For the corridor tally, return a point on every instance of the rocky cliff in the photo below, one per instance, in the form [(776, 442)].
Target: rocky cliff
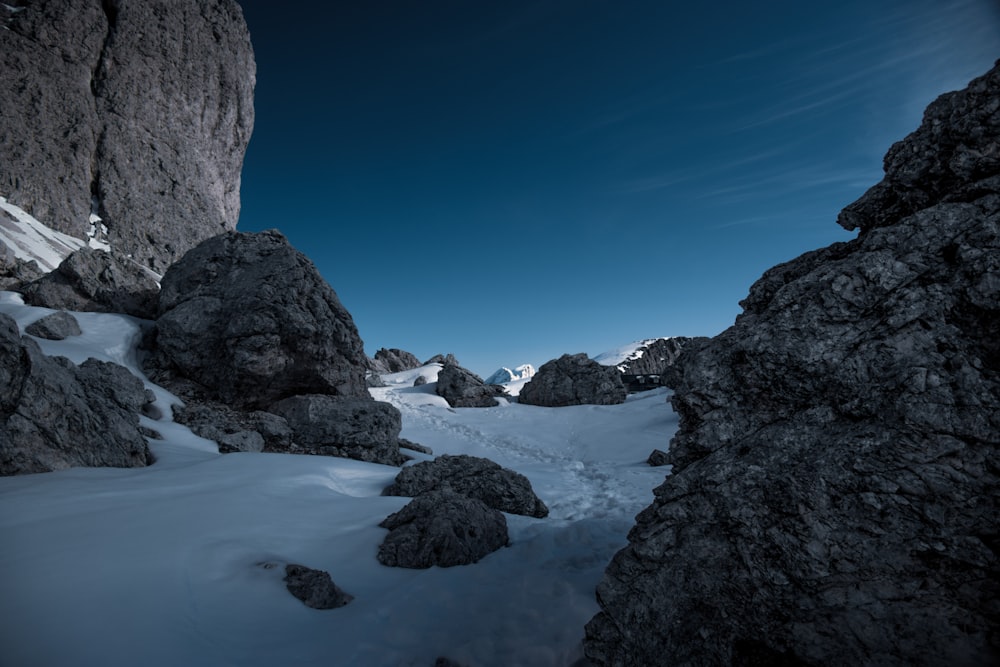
[(136, 112), (835, 496)]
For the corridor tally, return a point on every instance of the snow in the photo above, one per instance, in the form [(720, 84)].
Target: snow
[(629, 352), (29, 239), (505, 375), (180, 563)]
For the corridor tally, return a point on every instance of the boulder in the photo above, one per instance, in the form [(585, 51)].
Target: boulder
[(235, 430), (314, 587), (443, 359), (356, 428), (574, 379), (474, 477), (247, 320), (394, 361), (442, 528), (55, 414), (96, 281), (464, 389), (106, 112), (14, 271), (834, 495), (658, 458), (57, 326)]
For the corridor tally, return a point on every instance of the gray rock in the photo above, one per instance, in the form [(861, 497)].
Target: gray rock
[(464, 389), (574, 379), (249, 320), (443, 359), (423, 449), (106, 111), (235, 430), (57, 326), (658, 458), (442, 528), (356, 428), (15, 272), (474, 477), (314, 587), (394, 361), (419, 381), (96, 281), (55, 415), (834, 497)]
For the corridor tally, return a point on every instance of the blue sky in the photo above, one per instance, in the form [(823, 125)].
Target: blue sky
[(510, 181)]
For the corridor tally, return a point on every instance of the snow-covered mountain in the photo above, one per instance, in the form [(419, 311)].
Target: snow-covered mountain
[(619, 356), (30, 239), (505, 375)]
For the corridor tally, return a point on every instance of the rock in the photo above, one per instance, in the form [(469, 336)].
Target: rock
[(57, 326), (423, 449), (249, 320), (441, 528), (56, 415), (419, 381), (474, 477), (314, 587), (657, 458), (445, 360), (95, 281), (394, 361), (106, 112), (673, 373), (356, 428), (234, 430), (833, 499), (573, 379), (464, 389), (657, 362), (15, 272)]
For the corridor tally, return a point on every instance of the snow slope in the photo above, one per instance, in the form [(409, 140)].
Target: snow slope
[(29, 239), (180, 563), (505, 375)]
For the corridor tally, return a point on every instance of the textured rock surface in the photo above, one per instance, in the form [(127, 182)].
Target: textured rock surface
[(441, 528), (393, 360), (235, 430), (96, 281), (573, 379), (835, 497), (474, 477), (57, 326), (15, 272), (314, 587), (55, 415), (137, 111), (250, 321), (356, 428), (464, 389), (657, 458)]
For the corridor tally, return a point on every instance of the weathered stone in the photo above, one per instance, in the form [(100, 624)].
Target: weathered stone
[(57, 326), (96, 281), (834, 497), (443, 359), (106, 110), (235, 430), (423, 449), (442, 528), (394, 361), (500, 488), (657, 458), (356, 428), (15, 272), (419, 381), (250, 321), (314, 587), (573, 379), (55, 415), (464, 389)]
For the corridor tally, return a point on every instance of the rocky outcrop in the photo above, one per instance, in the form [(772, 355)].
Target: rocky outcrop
[(55, 414), (96, 281), (137, 112), (443, 359), (235, 430), (57, 326), (464, 389), (247, 320), (15, 272), (314, 587), (442, 528), (474, 477), (393, 361), (834, 497), (573, 379)]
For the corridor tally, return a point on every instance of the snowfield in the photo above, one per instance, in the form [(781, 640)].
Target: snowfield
[(181, 563)]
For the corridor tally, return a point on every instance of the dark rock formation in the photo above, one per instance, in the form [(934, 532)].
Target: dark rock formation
[(419, 381), (139, 112), (314, 587), (672, 375), (57, 326), (464, 389), (235, 430), (658, 362), (443, 359), (394, 361), (55, 415), (15, 272), (356, 428), (415, 447), (96, 281), (474, 477), (573, 379), (441, 528), (249, 320), (834, 498), (657, 458)]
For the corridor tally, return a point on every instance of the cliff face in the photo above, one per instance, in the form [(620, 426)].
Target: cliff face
[(835, 496), (138, 112)]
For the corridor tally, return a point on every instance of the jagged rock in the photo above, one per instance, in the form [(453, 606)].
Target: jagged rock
[(394, 361), (55, 415), (249, 320), (464, 389), (442, 528), (443, 359), (573, 379), (673, 373), (314, 587), (419, 381), (106, 112), (657, 458), (234, 430), (834, 497), (96, 281), (57, 326), (472, 476), (423, 449), (357, 428), (15, 272)]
